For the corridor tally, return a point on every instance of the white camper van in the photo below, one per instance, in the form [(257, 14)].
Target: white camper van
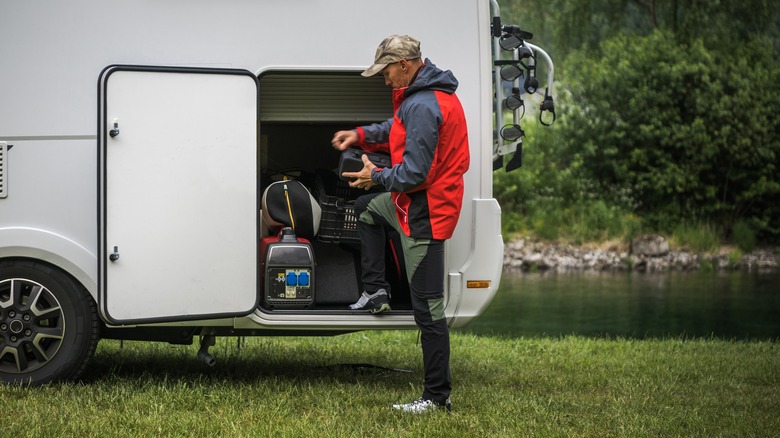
[(137, 140)]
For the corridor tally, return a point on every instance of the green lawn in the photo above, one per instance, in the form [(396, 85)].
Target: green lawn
[(571, 386)]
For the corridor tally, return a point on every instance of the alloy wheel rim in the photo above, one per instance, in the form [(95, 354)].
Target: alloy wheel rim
[(32, 325)]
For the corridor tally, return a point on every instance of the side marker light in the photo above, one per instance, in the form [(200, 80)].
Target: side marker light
[(478, 284)]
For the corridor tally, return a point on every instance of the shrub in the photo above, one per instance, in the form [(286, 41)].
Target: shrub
[(743, 236), (690, 136)]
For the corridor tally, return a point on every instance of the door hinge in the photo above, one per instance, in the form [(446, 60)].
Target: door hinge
[(4, 147)]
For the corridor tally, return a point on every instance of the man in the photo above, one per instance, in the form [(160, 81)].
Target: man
[(428, 145)]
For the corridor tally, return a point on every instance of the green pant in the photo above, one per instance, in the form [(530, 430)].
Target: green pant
[(424, 262)]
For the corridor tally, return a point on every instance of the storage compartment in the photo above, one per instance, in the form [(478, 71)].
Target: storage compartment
[(299, 113)]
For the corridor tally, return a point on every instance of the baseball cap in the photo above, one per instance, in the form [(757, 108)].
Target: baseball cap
[(393, 49)]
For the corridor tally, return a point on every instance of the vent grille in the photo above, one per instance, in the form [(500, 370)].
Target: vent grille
[(298, 97), (3, 169)]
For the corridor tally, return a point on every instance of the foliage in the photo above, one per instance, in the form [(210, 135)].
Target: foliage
[(692, 137), (552, 200), (667, 108), (743, 236), (565, 26), (735, 257)]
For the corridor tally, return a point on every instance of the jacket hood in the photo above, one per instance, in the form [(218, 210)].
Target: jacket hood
[(431, 77)]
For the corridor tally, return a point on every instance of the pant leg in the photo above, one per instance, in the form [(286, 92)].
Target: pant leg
[(424, 260), (427, 291), (371, 229)]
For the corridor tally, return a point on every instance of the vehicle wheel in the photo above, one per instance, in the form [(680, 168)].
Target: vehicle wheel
[(48, 324)]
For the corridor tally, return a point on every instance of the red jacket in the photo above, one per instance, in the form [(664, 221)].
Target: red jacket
[(428, 144)]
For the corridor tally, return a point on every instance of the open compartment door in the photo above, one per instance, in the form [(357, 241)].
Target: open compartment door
[(178, 202)]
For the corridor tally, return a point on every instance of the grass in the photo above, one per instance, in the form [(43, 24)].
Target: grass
[(586, 222), (697, 238), (298, 387)]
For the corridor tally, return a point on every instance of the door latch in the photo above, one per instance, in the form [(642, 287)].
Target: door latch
[(114, 256), (114, 132)]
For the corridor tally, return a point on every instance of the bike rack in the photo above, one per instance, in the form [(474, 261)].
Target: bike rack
[(522, 62)]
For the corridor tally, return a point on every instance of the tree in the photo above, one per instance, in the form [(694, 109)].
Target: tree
[(690, 136), (672, 104), (569, 25)]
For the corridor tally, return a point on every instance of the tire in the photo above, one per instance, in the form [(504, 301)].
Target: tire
[(48, 324)]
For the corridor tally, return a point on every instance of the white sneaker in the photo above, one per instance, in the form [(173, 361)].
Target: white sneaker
[(377, 302), (422, 405)]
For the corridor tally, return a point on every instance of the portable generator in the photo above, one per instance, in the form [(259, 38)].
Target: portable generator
[(288, 271)]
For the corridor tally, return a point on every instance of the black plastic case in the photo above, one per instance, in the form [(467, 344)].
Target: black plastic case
[(351, 161)]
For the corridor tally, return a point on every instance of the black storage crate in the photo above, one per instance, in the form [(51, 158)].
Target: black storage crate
[(338, 223)]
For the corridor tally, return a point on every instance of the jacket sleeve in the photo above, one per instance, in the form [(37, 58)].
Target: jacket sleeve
[(374, 137), (422, 135)]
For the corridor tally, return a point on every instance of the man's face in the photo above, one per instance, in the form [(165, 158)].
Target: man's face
[(395, 76)]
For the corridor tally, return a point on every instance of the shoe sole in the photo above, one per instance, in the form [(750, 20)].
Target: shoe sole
[(437, 408), (383, 308)]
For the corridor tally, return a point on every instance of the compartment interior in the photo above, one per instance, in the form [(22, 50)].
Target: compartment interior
[(299, 113)]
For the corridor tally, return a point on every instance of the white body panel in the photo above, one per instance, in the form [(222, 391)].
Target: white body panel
[(49, 111)]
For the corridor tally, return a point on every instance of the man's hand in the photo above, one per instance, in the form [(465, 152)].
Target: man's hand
[(344, 139), (363, 177)]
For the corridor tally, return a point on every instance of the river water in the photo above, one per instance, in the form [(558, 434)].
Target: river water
[(726, 305)]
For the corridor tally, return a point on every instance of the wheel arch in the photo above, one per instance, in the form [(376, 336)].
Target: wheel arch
[(53, 249)]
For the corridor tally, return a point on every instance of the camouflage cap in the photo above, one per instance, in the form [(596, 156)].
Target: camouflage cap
[(393, 49)]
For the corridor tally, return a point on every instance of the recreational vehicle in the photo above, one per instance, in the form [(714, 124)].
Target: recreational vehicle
[(138, 139)]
